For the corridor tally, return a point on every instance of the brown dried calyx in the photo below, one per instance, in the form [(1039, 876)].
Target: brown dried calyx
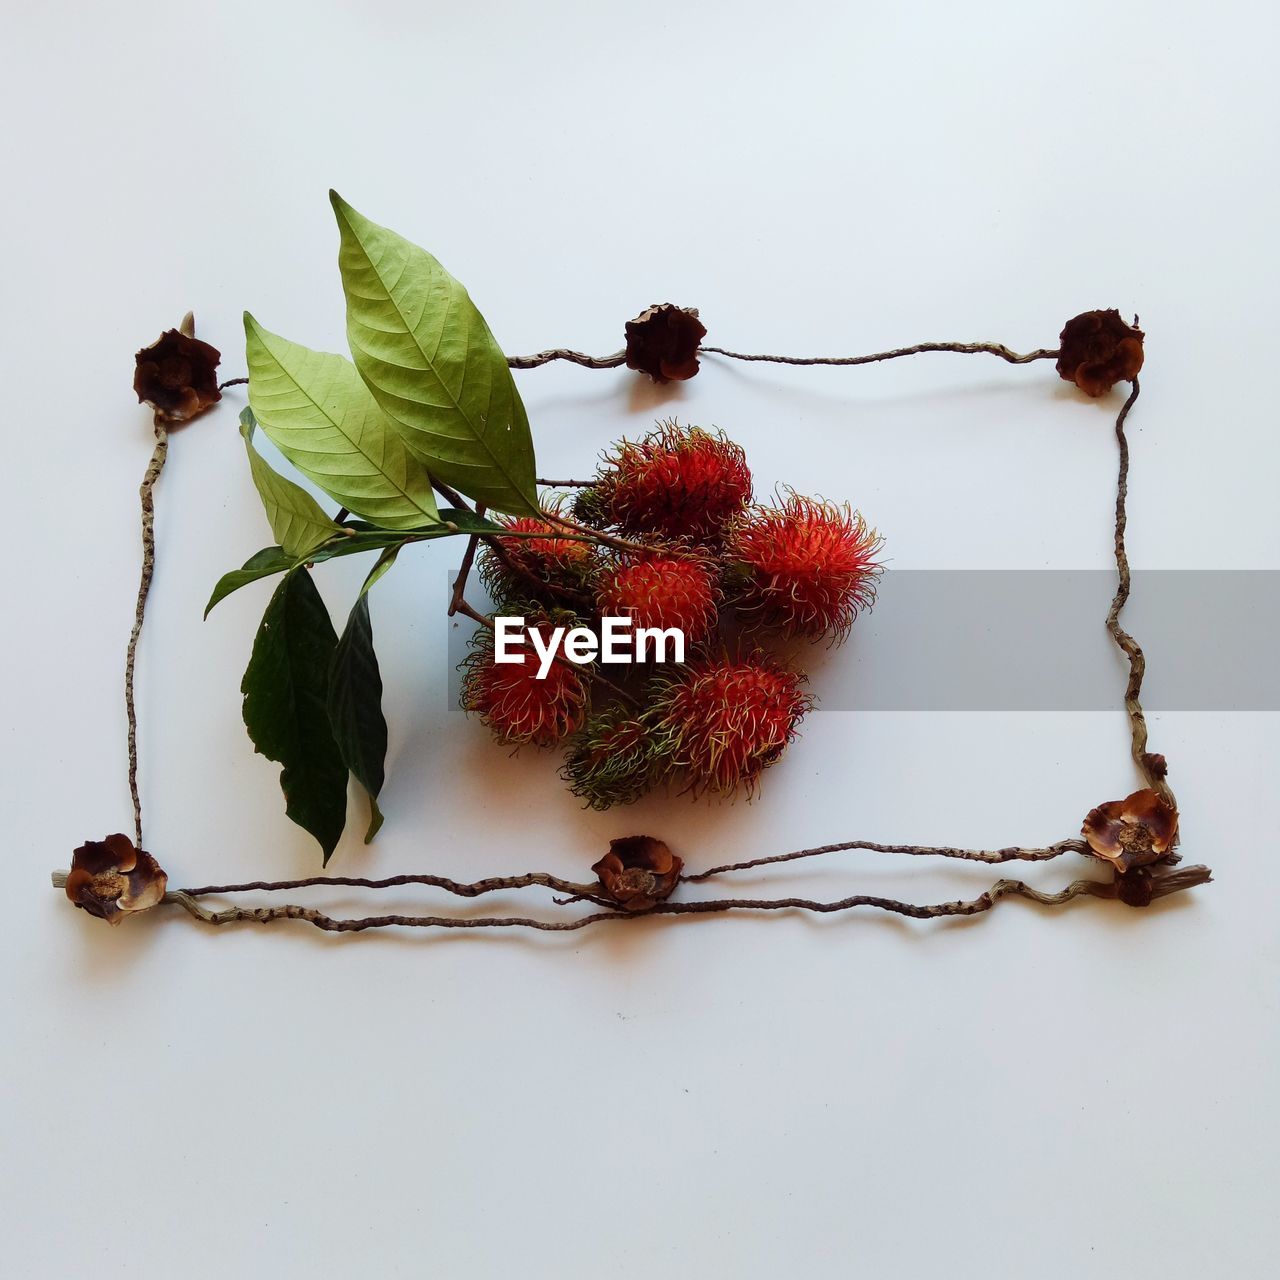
[(1134, 832), (1096, 349), (638, 872), (663, 341), (111, 879), (177, 375)]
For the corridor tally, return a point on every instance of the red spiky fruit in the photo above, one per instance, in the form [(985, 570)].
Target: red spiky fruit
[(678, 481), (729, 719), (616, 758), (805, 567), (519, 708), (662, 591), (535, 555)]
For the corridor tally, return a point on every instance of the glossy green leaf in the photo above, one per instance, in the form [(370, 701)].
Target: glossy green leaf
[(433, 366), (316, 410), (271, 560), (355, 707), (296, 518), (262, 564), (385, 561), (285, 691)]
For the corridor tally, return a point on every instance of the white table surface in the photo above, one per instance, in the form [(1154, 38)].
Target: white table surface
[(1086, 1092)]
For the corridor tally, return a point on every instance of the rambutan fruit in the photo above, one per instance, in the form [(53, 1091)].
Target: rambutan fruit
[(728, 719), (677, 481), (616, 758), (804, 566), (664, 590), (517, 706), (535, 558)]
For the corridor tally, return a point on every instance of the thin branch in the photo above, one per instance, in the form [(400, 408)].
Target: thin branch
[(464, 572), (968, 907), (146, 496), (450, 495), (473, 889), (915, 850), (573, 357), (961, 348), (1128, 645), (232, 382), (567, 484), (595, 535)]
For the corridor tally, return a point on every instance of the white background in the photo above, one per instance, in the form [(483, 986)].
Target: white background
[(1082, 1092)]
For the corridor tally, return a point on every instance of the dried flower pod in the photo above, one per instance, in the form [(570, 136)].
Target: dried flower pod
[(177, 375), (663, 340), (1133, 832), (638, 872), (1097, 350), (111, 879)]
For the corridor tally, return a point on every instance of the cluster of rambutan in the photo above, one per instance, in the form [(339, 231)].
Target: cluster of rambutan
[(683, 546)]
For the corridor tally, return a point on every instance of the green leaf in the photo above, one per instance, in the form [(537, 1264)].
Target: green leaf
[(385, 561), (296, 518), (433, 366), (285, 692), (269, 560), (315, 409), (355, 706), (262, 564)]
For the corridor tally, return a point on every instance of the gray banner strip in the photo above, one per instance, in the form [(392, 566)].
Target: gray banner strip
[(993, 640)]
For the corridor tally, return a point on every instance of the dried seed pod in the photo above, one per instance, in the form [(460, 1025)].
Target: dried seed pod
[(111, 879), (663, 341), (638, 872), (177, 375), (1096, 349), (1133, 832)]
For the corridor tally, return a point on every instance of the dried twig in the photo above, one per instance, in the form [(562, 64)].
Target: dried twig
[(573, 357), (145, 493), (1128, 645), (914, 850), (1176, 882), (472, 889), (960, 348)]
